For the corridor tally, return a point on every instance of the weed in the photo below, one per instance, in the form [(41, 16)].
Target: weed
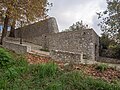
[(101, 67), (46, 50)]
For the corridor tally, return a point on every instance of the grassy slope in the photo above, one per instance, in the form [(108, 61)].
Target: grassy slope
[(17, 74)]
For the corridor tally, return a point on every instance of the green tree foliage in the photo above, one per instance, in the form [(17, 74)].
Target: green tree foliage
[(110, 23), (105, 41), (108, 47), (77, 26)]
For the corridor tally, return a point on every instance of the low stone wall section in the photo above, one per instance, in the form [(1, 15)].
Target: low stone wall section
[(17, 48), (11, 39), (109, 60), (67, 57)]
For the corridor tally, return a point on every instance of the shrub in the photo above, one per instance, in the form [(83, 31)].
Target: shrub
[(115, 49), (101, 67), (112, 52), (5, 58)]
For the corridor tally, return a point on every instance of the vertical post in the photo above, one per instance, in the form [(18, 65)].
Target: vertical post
[(21, 32), (81, 57)]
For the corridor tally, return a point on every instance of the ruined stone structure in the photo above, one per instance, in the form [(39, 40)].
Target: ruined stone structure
[(82, 42), (77, 46), (34, 32)]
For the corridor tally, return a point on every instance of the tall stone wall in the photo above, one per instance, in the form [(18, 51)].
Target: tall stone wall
[(45, 33), (81, 41), (33, 33)]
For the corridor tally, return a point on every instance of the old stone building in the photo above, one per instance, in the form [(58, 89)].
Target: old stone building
[(79, 46)]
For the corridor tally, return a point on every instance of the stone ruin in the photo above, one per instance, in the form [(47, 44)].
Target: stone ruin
[(81, 46)]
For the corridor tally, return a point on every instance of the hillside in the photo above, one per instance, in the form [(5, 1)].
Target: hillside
[(16, 73)]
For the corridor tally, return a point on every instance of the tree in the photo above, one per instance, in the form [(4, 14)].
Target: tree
[(110, 23), (105, 41), (22, 10), (4, 32), (77, 26)]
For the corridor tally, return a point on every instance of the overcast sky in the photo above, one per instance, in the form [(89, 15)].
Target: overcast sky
[(68, 12)]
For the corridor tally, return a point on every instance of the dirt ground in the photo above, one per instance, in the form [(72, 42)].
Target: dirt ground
[(110, 74)]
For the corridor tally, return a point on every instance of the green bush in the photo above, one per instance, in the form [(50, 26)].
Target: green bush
[(11, 70), (112, 52), (115, 50), (101, 67), (6, 59)]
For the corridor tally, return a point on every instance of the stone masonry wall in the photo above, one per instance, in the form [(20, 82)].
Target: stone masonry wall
[(17, 48), (65, 56), (109, 60), (81, 41), (95, 49), (33, 33), (70, 57)]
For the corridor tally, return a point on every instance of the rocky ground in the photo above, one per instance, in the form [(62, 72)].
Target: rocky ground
[(110, 74)]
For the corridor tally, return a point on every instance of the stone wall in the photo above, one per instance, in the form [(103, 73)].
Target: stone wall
[(17, 48), (33, 33), (109, 60), (67, 57), (11, 39), (81, 41), (95, 39)]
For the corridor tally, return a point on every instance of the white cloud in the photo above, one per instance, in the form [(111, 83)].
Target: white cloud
[(68, 12)]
